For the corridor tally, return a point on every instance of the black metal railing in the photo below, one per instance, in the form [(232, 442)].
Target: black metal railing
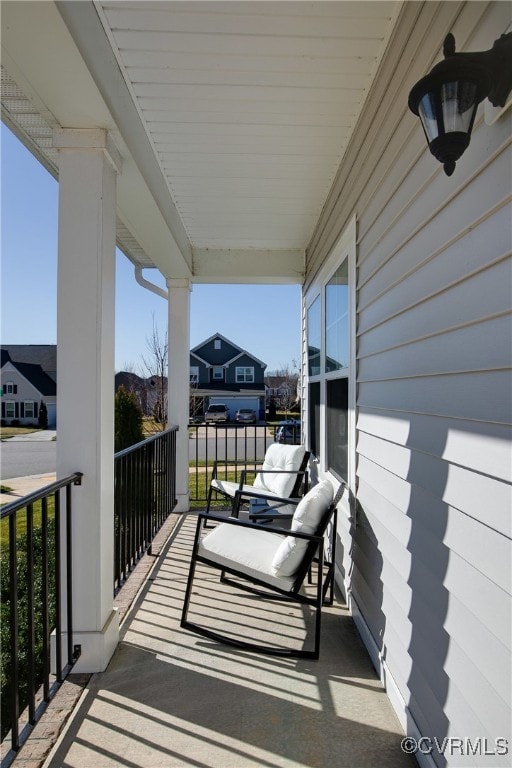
[(36, 589), (144, 496), (231, 446)]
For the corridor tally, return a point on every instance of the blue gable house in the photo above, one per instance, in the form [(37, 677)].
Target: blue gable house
[(223, 372)]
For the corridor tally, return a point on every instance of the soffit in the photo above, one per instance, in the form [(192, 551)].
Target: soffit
[(232, 117)]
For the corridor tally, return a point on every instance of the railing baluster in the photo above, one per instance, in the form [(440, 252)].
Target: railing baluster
[(30, 615), (13, 629), (44, 599), (57, 583)]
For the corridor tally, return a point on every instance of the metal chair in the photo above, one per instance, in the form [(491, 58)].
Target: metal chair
[(280, 477), (273, 563)]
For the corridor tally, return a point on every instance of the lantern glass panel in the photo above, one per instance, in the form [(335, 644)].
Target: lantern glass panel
[(459, 100), (428, 115)]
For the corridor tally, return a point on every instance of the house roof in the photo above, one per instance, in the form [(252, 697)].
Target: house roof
[(44, 355), (34, 374), (232, 359)]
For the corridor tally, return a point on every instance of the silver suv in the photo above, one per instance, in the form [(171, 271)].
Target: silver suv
[(217, 412)]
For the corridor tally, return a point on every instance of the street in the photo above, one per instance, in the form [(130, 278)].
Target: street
[(30, 457), (20, 458)]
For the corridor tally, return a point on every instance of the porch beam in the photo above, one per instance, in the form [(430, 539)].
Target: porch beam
[(179, 382), (88, 166), (251, 265)]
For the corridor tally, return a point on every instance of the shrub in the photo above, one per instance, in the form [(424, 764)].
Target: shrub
[(42, 418), (22, 599), (128, 420)]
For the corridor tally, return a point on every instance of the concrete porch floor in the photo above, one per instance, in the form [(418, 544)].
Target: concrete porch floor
[(170, 698)]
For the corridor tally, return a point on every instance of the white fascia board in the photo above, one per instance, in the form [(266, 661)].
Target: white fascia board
[(244, 352), (84, 23), (252, 265)]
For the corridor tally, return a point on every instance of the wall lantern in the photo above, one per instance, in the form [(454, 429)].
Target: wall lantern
[(447, 99)]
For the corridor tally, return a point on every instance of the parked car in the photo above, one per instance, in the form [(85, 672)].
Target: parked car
[(288, 432), (217, 413), (246, 415)]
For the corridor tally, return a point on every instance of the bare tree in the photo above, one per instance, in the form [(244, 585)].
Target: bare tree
[(286, 379), (154, 364)]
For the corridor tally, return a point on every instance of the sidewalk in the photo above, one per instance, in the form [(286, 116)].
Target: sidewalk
[(43, 435), (22, 486)]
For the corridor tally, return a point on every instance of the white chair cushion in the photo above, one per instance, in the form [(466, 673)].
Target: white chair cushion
[(280, 457), (246, 550), (307, 516)]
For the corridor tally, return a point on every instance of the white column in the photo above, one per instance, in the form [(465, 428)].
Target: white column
[(179, 382), (88, 165)]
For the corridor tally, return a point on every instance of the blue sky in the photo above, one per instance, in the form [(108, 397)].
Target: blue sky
[(29, 282)]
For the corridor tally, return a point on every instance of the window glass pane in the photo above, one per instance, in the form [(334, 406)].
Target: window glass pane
[(29, 409), (314, 337), (336, 320), (9, 410), (337, 421), (314, 418)]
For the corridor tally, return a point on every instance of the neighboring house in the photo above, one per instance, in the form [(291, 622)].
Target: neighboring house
[(28, 377), (223, 372), (145, 389), (282, 389)]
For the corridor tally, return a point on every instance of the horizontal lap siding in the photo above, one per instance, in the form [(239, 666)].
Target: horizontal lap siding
[(431, 569)]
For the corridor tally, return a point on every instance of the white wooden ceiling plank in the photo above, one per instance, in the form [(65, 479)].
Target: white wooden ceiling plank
[(167, 19), (327, 110), (177, 76), (305, 168), (184, 61), (246, 44), (162, 131), (334, 8), (240, 93), (204, 120), (234, 145), (250, 206), (191, 187)]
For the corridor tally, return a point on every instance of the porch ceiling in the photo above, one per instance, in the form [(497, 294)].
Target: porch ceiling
[(232, 118)]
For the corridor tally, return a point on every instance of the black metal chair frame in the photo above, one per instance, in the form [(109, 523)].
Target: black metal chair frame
[(314, 555), (301, 479)]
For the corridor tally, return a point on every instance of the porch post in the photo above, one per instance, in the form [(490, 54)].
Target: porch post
[(179, 382), (88, 165)]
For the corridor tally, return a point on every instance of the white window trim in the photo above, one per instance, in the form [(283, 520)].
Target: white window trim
[(194, 374), (13, 403), (241, 374), (215, 369), (9, 388), (32, 403), (345, 247)]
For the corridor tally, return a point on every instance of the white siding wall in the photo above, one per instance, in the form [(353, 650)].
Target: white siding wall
[(431, 576)]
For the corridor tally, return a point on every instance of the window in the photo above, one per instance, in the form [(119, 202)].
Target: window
[(10, 409), (330, 349), (10, 388), (29, 409), (244, 375), (218, 373), (194, 374), (217, 344)]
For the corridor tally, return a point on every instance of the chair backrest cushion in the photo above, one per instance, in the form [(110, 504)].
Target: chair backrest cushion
[(307, 517), (280, 457)]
